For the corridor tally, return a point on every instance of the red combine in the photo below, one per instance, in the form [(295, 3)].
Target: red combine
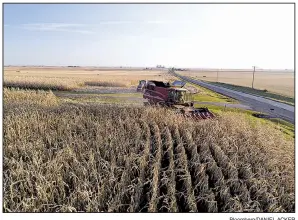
[(172, 96)]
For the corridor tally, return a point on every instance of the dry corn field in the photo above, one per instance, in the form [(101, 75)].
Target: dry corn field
[(110, 158), (59, 78)]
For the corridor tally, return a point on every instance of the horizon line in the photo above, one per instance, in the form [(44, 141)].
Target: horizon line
[(135, 67)]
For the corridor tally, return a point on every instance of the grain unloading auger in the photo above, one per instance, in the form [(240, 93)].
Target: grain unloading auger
[(172, 96)]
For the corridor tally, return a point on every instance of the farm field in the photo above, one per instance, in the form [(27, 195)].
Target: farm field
[(63, 78), (282, 83), (94, 84), (93, 147)]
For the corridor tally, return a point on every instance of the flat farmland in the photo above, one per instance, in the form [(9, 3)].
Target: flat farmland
[(84, 84), (63, 78), (276, 82), (72, 144)]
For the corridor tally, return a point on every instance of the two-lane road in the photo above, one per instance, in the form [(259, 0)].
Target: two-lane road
[(257, 103)]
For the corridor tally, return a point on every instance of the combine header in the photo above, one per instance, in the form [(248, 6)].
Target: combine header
[(174, 96)]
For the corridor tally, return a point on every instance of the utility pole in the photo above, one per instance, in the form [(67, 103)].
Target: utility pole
[(253, 77)]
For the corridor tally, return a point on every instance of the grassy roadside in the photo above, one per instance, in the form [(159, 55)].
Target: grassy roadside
[(287, 128), (206, 95), (259, 92), (209, 96)]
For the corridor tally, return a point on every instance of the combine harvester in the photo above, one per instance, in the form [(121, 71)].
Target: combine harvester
[(173, 96)]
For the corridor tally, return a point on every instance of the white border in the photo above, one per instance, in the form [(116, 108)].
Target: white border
[(147, 1), (136, 216)]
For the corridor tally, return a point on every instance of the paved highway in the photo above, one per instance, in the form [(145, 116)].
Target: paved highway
[(257, 103)]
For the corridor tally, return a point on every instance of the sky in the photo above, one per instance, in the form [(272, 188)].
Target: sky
[(145, 35)]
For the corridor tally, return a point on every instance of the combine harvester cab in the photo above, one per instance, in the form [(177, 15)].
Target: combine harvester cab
[(156, 92), (141, 85), (172, 96)]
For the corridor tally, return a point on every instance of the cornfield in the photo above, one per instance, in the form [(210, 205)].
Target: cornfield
[(94, 158), (55, 83)]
